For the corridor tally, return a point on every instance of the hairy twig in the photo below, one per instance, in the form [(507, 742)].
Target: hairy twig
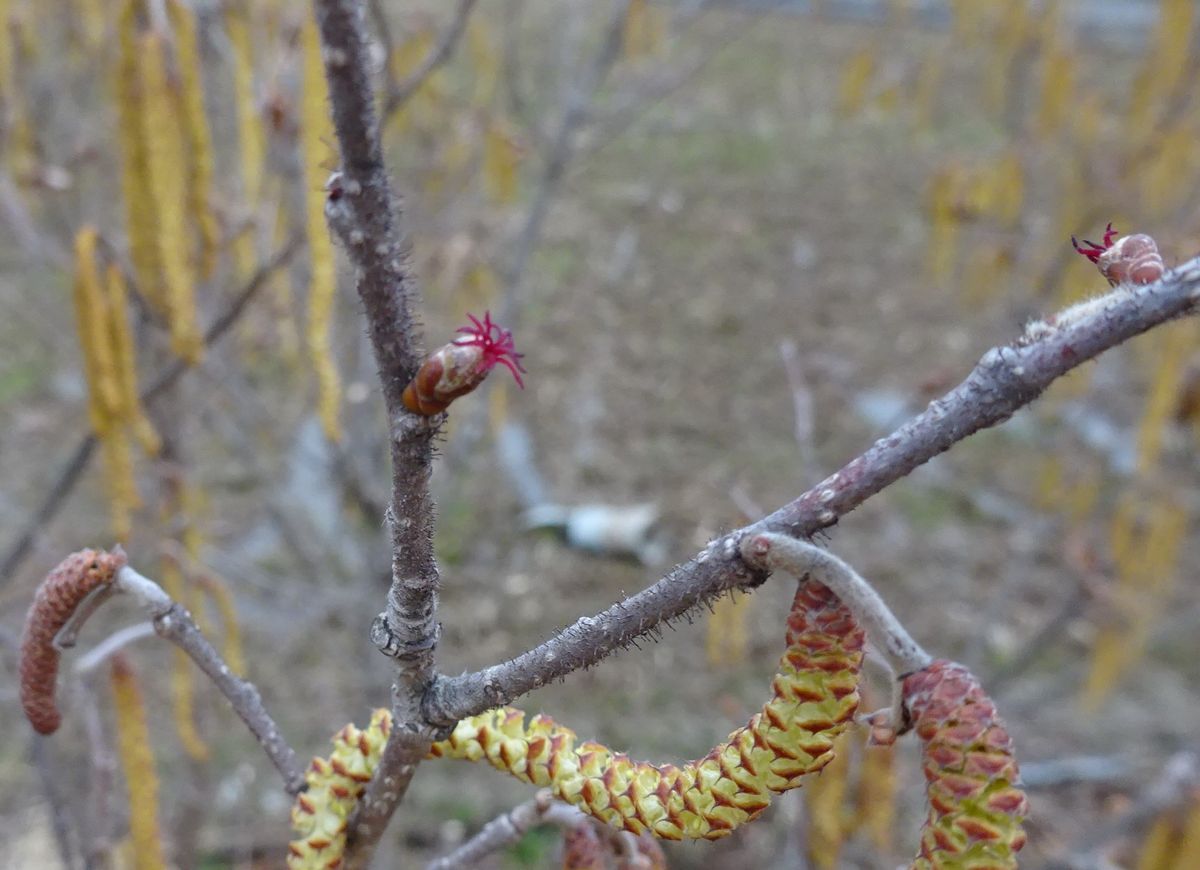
[(365, 217), (1005, 380), (508, 828), (401, 92), (72, 471)]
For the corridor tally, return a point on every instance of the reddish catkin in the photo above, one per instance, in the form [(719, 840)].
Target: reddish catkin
[(975, 803), (56, 599)]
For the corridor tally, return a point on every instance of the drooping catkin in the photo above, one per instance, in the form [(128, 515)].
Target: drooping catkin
[(141, 211), (316, 137), (132, 411), (876, 797), (95, 337), (1058, 89), (825, 799), (502, 154), (166, 157), (137, 763), (189, 98), (219, 593), (251, 144)]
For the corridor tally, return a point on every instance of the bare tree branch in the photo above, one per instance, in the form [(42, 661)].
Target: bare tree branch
[(365, 218), (73, 469), (400, 93), (508, 828), (1005, 380), (173, 622)]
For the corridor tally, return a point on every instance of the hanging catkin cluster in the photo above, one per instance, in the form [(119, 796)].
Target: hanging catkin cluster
[(167, 166), (814, 697), (110, 364)]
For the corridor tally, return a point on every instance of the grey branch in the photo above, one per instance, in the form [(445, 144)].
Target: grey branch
[(366, 219), (172, 622), (1005, 380), (402, 92), (506, 829), (81, 457)]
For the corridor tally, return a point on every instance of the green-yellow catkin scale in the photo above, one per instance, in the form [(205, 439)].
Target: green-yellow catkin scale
[(231, 647), (190, 102), (166, 158), (316, 136), (855, 80), (815, 694), (141, 221), (1058, 89), (137, 763), (321, 812), (182, 682), (825, 799), (126, 356), (92, 322)]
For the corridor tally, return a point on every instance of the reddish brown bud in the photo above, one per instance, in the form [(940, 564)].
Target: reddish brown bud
[(57, 597), (457, 368), (1133, 260)]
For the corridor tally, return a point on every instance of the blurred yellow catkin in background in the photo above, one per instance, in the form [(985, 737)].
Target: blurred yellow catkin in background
[(137, 764)]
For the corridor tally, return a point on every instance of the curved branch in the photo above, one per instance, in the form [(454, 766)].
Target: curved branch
[(402, 92), (1005, 380)]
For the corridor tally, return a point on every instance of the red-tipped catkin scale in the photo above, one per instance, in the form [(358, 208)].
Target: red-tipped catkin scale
[(1132, 260), (451, 371)]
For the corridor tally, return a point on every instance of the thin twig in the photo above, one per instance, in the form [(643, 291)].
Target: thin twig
[(73, 469), (367, 220), (508, 828), (173, 622), (401, 93), (1005, 380)]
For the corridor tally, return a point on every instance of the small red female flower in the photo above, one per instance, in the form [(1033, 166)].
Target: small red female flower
[(1129, 259), (457, 368)]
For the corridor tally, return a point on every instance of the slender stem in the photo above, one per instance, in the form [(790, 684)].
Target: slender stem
[(367, 220), (401, 93), (1005, 380), (508, 828)]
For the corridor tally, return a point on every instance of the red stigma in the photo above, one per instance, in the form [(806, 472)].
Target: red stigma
[(497, 345), (1090, 249)]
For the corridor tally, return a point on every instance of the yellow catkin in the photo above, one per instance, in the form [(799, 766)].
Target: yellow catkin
[(501, 161), (1162, 67), (141, 221), (1158, 849), (251, 142), (825, 799), (876, 798), (1058, 89), (422, 105), (92, 16), (1177, 345), (316, 135), (137, 763), (182, 682), (219, 593), (1011, 36), (189, 98), (120, 484), (92, 321), (725, 635), (166, 155), (945, 191), (1187, 856), (126, 357), (485, 62), (855, 80), (645, 30), (1008, 180)]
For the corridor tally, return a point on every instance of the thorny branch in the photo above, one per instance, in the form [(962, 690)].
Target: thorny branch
[(1005, 380), (364, 216), (81, 457)]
